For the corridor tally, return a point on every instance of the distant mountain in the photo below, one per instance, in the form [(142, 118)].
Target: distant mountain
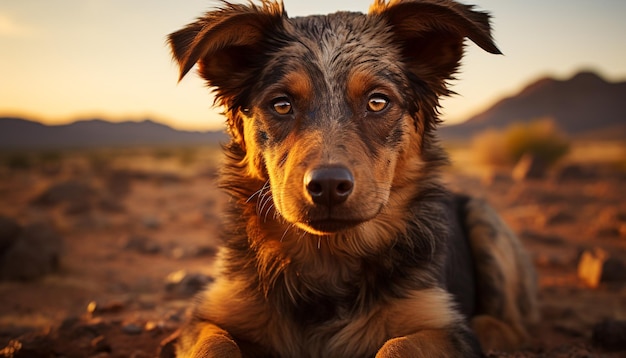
[(585, 105), (20, 133)]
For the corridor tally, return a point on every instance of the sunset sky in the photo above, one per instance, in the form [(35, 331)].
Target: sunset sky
[(67, 59)]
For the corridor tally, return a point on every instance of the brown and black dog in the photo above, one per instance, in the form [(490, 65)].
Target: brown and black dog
[(340, 240)]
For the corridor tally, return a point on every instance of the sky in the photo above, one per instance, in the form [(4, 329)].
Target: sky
[(64, 60)]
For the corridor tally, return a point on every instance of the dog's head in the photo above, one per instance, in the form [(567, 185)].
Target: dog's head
[(335, 112)]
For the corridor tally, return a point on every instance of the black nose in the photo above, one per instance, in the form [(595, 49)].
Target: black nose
[(329, 185)]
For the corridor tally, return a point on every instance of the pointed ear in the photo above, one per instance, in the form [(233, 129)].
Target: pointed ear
[(430, 34), (227, 45)]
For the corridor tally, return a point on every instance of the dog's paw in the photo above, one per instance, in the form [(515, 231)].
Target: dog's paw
[(217, 346), (398, 348), (431, 344)]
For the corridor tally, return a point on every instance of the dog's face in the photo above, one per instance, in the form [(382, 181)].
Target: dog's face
[(335, 111)]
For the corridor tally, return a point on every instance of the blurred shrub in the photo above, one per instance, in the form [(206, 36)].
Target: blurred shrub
[(187, 156), (99, 161), (163, 153), (18, 161), (540, 138), (50, 161)]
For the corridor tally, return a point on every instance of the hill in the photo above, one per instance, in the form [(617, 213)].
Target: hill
[(20, 133), (585, 105)]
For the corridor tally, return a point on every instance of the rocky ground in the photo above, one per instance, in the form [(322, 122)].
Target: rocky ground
[(100, 260)]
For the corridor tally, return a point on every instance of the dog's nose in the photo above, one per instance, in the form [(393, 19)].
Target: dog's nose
[(329, 185)]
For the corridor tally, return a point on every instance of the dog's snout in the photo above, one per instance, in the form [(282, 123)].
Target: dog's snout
[(329, 185)]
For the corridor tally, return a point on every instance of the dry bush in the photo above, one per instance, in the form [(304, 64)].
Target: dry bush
[(540, 138)]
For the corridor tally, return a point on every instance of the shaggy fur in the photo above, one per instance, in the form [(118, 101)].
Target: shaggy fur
[(340, 240)]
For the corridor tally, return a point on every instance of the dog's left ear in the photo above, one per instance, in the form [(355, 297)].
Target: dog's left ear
[(431, 34)]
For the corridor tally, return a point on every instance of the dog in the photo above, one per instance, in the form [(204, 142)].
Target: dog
[(340, 239)]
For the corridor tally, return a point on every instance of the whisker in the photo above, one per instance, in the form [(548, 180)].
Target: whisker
[(263, 198), (258, 191), (265, 201), (285, 233), (269, 208)]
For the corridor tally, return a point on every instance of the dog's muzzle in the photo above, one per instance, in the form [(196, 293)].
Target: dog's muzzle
[(329, 186)]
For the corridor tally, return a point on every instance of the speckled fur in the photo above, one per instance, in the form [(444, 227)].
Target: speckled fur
[(380, 286)]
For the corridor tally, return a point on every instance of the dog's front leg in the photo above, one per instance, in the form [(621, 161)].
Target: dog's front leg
[(435, 343), (206, 340)]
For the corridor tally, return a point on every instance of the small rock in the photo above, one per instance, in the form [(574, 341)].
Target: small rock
[(72, 191), (597, 266), (35, 252), (100, 344), (574, 172), (202, 251), (132, 328), (529, 167), (151, 326), (178, 252), (590, 267), (184, 284), (151, 222), (143, 245), (110, 307), (613, 271), (13, 348), (610, 335), (9, 231)]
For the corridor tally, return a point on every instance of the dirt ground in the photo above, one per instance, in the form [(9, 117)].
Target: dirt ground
[(139, 234)]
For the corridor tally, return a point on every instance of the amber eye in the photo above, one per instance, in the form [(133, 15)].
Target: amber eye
[(377, 103), (282, 106)]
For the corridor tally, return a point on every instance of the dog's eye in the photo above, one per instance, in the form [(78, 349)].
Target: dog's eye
[(377, 103), (282, 106)]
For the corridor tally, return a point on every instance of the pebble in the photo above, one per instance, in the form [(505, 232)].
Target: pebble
[(142, 245), (100, 344), (184, 284), (9, 231), (132, 328), (35, 252), (110, 307), (598, 266), (72, 191), (610, 335)]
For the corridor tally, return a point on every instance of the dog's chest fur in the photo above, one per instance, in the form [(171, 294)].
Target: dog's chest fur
[(316, 293)]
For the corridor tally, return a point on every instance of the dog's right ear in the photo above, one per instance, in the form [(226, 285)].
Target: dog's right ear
[(228, 45)]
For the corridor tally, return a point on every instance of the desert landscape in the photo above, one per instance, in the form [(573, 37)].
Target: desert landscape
[(127, 236), (105, 239)]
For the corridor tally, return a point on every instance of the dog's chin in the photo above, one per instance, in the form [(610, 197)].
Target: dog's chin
[(328, 227)]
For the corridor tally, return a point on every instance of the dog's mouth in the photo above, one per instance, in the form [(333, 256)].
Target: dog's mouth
[(328, 226)]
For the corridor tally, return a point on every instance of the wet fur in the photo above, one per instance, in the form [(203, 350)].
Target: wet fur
[(402, 268)]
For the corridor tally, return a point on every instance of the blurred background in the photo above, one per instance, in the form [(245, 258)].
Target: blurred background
[(109, 212), (77, 59)]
